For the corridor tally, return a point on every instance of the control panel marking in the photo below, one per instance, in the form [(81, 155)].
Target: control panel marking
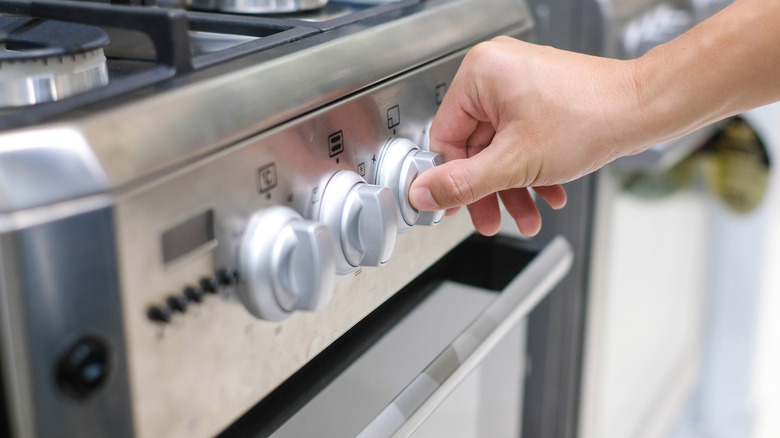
[(266, 178)]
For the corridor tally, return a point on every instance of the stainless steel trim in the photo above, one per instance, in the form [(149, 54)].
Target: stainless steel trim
[(428, 390), (46, 308), (194, 120), (45, 166)]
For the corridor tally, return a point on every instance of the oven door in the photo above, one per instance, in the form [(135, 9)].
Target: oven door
[(452, 364)]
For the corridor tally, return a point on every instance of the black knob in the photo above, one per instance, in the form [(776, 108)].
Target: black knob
[(84, 367), (194, 294), (227, 276), (210, 285), (159, 313), (178, 303)]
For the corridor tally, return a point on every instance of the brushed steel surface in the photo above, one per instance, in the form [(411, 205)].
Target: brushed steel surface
[(144, 167), (428, 390), (170, 396), (145, 138), (59, 286)]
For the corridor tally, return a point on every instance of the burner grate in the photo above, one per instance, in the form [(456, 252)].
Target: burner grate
[(153, 42)]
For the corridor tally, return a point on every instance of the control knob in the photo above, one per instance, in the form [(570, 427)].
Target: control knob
[(361, 218), (286, 264), (400, 162)]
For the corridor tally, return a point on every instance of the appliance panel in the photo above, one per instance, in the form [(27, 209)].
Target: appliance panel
[(175, 158), (171, 396)]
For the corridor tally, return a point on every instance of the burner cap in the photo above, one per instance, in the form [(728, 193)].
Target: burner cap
[(27, 38), (257, 6), (47, 60)]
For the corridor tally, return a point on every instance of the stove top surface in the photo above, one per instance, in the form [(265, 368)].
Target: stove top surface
[(137, 46)]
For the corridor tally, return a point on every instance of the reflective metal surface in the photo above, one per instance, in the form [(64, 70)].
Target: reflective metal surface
[(48, 79), (219, 144), (428, 390), (48, 308), (214, 113), (258, 6), (48, 60)]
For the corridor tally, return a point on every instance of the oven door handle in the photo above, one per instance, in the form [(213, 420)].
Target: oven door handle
[(428, 390)]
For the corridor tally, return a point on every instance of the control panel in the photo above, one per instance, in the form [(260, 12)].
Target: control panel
[(277, 245), (299, 206)]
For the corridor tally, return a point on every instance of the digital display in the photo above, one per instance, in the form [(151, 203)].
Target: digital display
[(188, 236)]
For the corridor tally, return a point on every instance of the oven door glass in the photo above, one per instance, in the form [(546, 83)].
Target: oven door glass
[(452, 367)]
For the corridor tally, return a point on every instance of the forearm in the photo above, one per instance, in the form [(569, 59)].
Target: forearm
[(726, 65)]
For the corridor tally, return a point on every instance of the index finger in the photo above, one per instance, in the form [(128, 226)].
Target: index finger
[(454, 122)]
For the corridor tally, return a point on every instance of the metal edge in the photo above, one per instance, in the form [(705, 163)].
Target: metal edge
[(429, 389)]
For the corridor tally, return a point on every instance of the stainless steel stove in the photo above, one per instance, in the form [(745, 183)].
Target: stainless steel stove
[(196, 204)]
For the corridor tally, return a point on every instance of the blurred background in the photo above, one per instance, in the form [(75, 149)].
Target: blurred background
[(681, 336)]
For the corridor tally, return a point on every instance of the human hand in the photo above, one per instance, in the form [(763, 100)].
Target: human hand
[(520, 116)]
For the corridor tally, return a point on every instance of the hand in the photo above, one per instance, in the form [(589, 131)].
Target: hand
[(520, 116)]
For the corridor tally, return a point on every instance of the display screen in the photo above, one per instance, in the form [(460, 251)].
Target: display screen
[(188, 236)]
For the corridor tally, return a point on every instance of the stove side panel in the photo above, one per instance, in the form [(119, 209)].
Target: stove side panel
[(63, 354)]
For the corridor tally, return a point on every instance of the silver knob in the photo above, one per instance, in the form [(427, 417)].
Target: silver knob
[(361, 218), (400, 162), (286, 264)]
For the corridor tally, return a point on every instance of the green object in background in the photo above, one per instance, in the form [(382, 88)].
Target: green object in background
[(740, 167)]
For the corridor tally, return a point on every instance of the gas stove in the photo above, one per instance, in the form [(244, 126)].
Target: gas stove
[(195, 204), (143, 46)]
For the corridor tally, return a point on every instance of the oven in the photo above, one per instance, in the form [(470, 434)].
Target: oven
[(205, 223)]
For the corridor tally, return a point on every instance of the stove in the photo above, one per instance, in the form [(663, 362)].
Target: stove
[(194, 204)]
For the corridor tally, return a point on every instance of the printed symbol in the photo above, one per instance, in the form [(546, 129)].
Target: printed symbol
[(441, 90), (393, 117), (362, 169), (335, 143), (315, 195), (266, 178)]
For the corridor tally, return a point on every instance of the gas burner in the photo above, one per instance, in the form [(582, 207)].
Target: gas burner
[(48, 60), (331, 11), (257, 6)]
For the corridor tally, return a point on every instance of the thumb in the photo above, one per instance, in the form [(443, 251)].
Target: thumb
[(456, 183)]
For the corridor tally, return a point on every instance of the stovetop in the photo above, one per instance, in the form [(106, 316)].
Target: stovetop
[(152, 44)]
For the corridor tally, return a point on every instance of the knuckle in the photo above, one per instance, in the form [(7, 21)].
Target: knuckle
[(502, 39), (482, 51), (459, 189)]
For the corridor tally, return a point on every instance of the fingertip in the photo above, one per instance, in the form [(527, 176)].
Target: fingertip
[(485, 215), (421, 198), (522, 208), (555, 196), (529, 225)]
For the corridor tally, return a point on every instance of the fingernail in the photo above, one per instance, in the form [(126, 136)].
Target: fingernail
[(422, 199)]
